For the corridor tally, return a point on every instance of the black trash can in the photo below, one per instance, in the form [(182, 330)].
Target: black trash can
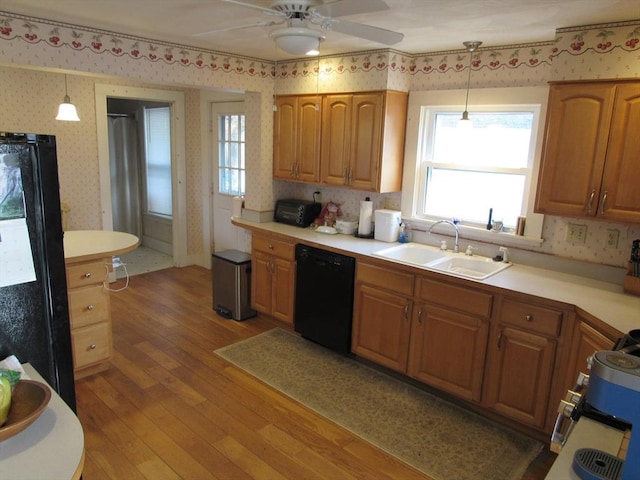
[(231, 275)]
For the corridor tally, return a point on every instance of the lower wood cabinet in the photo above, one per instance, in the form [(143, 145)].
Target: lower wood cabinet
[(501, 352), (273, 272), (521, 360), (586, 340), (382, 315), (90, 316)]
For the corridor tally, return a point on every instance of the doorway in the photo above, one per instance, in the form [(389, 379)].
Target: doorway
[(175, 100), (140, 164)]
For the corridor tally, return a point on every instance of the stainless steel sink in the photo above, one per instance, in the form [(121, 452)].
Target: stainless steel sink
[(474, 267), (412, 254), (431, 258)]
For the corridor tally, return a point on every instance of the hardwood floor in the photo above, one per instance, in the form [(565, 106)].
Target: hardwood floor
[(169, 408)]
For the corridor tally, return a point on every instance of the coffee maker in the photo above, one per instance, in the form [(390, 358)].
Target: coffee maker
[(614, 389)]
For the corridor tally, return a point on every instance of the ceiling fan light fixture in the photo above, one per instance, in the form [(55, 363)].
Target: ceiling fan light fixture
[(298, 40)]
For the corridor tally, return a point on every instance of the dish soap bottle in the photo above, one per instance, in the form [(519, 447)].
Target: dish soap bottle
[(405, 233)]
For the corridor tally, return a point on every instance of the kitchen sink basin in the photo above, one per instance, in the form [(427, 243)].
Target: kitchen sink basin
[(412, 254), (474, 267), (430, 258)]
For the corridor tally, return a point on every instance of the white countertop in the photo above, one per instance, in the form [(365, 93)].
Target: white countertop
[(84, 245), (586, 434), (605, 301), (52, 447)]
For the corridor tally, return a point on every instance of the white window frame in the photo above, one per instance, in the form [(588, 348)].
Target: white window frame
[(487, 99)]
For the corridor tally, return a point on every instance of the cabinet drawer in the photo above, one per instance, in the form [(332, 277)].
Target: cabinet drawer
[(535, 318), (385, 278), (88, 305), (83, 274), (91, 344), (462, 299), (274, 247)]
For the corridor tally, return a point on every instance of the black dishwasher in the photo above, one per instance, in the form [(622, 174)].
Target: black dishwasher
[(324, 297)]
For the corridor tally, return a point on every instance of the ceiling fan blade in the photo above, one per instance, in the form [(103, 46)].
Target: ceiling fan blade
[(237, 27), (375, 34), (251, 5), (342, 8)]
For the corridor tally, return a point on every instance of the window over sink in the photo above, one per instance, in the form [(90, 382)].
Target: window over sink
[(460, 173)]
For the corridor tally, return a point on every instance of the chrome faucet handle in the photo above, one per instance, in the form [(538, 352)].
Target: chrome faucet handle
[(469, 251), (505, 254)]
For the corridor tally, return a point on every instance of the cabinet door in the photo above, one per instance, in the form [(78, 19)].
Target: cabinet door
[(381, 327), (285, 126), (283, 295), (307, 161), (366, 141), (261, 278), (448, 351), (336, 118), (574, 150), (519, 373), (620, 195), (587, 340)]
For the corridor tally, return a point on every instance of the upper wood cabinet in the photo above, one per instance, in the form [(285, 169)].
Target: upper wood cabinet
[(591, 154), (296, 138), (363, 140), (353, 140)]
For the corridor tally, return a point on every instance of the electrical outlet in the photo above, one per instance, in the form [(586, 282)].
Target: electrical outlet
[(576, 233), (613, 236)]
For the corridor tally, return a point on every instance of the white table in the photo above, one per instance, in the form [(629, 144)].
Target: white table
[(51, 448)]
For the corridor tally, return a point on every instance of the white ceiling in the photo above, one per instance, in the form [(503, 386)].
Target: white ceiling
[(428, 25)]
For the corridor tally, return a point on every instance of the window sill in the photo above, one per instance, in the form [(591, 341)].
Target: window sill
[(474, 233)]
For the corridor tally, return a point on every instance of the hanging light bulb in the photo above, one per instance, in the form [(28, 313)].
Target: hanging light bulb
[(67, 110), (465, 122)]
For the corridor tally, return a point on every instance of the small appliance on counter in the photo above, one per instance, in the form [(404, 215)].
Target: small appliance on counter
[(614, 388), (299, 213), (387, 225), (610, 395)]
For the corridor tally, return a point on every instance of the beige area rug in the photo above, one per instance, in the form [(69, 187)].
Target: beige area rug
[(440, 439)]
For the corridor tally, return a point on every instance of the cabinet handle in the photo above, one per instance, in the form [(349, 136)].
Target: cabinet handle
[(528, 318), (93, 346), (87, 275), (90, 307), (406, 312), (420, 316), (345, 174), (590, 201), (499, 339), (603, 201), (271, 246), (350, 175)]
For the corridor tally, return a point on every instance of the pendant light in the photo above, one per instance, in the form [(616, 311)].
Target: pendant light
[(67, 110), (464, 122)]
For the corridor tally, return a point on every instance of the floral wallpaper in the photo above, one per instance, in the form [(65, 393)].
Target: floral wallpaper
[(42, 49)]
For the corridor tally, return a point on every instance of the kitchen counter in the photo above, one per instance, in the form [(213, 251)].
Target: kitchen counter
[(586, 434), (85, 245), (52, 447), (604, 301)]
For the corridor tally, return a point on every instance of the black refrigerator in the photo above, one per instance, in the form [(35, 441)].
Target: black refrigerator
[(34, 310)]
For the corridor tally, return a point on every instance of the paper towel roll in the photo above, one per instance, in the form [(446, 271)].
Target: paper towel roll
[(238, 202), (366, 213)]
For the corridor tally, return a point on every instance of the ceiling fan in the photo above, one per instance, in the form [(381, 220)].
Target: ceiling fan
[(297, 38)]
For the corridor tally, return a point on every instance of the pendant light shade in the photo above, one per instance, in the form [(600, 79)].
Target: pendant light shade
[(465, 122), (67, 110)]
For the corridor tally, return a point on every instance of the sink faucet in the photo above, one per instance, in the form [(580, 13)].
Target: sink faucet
[(456, 249)]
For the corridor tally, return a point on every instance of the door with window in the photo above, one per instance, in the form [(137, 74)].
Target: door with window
[(228, 171)]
